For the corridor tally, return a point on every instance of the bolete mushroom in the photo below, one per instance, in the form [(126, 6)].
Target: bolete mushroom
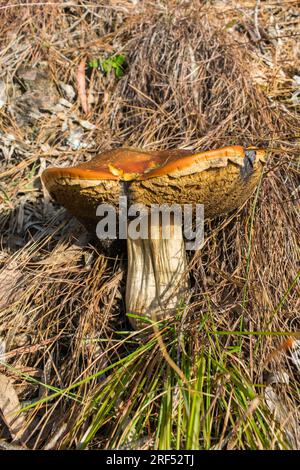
[(157, 278)]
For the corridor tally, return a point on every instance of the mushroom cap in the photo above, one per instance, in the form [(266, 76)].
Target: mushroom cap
[(221, 179)]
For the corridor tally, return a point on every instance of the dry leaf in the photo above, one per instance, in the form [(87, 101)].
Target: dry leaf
[(81, 86), (278, 407), (295, 353), (3, 94), (68, 90), (9, 407)]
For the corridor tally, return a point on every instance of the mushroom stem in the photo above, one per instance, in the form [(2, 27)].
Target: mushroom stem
[(157, 273)]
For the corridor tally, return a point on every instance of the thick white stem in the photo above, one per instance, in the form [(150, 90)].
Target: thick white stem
[(157, 274)]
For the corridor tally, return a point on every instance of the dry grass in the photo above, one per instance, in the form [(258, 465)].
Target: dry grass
[(196, 78)]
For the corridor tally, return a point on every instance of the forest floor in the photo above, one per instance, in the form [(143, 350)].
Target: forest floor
[(80, 77)]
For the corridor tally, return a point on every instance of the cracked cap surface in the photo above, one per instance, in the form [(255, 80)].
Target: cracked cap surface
[(220, 179)]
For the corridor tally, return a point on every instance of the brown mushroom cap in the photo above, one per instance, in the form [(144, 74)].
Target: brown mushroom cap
[(220, 179)]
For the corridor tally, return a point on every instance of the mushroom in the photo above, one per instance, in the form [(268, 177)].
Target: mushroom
[(157, 278)]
